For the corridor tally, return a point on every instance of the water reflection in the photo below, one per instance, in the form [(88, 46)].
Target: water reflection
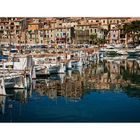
[(104, 75), (114, 75), (85, 93), (12, 102), (2, 104), (20, 95)]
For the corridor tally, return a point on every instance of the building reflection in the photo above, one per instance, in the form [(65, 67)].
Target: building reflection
[(106, 75), (115, 75)]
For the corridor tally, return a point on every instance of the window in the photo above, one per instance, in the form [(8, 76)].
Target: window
[(41, 35), (114, 36), (103, 21), (9, 66), (95, 30)]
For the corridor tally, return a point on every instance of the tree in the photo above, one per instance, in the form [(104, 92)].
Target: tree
[(96, 40), (101, 41), (105, 32), (132, 30), (93, 38)]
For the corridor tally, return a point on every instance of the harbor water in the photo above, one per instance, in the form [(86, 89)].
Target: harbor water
[(102, 91)]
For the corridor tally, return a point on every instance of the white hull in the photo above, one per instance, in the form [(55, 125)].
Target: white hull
[(18, 82)]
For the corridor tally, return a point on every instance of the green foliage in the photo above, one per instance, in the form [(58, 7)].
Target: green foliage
[(133, 27), (101, 41), (132, 30), (93, 36), (30, 31), (105, 31), (96, 40)]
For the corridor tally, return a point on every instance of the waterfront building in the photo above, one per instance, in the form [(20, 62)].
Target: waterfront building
[(82, 34), (75, 30), (10, 30)]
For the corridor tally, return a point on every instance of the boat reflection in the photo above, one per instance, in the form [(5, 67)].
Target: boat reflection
[(110, 74), (2, 104), (20, 95)]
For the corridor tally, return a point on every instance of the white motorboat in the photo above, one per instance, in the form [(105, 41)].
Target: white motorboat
[(14, 80), (134, 51), (15, 70), (109, 50), (122, 52), (58, 69)]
